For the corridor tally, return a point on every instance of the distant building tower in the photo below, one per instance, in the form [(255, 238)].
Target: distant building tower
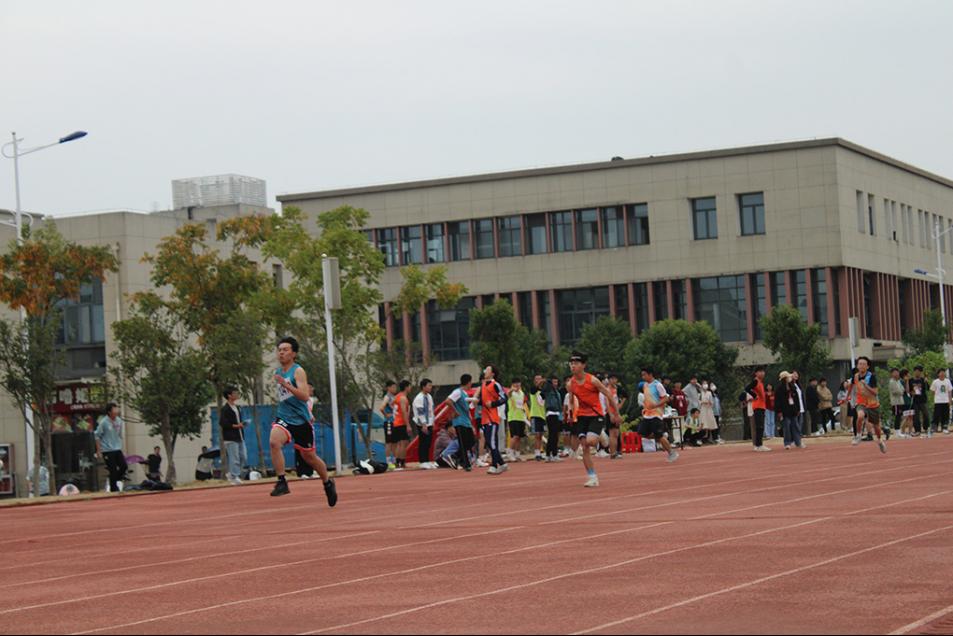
[(218, 190)]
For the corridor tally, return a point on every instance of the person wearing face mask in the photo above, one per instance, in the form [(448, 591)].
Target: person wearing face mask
[(706, 416)]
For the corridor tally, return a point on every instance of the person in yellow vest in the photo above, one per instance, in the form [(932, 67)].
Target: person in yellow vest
[(537, 414), (517, 417)]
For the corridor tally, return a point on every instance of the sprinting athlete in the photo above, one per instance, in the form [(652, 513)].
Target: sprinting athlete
[(293, 422), (517, 417), (491, 397), (460, 400), (399, 431), (868, 404), (589, 418), (655, 397)]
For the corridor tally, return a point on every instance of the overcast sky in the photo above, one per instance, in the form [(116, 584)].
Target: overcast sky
[(316, 95)]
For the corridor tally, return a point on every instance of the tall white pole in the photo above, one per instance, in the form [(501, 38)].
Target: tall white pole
[(332, 372), (28, 411)]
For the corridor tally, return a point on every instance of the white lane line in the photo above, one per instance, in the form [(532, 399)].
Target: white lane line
[(906, 629), (347, 626), (272, 566), (763, 579), (201, 557), (456, 561)]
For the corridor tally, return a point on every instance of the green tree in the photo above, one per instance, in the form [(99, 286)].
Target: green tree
[(798, 346), (930, 336), (160, 375), (604, 341), (497, 338), (680, 349), (35, 276)]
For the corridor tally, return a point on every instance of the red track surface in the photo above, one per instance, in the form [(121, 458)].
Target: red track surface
[(826, 540)]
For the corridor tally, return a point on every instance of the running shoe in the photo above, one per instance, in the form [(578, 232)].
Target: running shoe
[(502, 469), (883, 446), (492, 470), (617, 456), (539, 458), (801, 445), (331, 491), (593, 482), (672, 455), (281, 488), (602, 454), (481, 464), (855, 441)]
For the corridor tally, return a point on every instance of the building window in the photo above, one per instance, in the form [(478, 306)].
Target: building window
[(546, 315), (761, 306), (861, 213), (587, 229), (870, 215), (641, 307), (83, 322), (752, 213), (834, 287), (412, 245), (387, 244), (580, 307), (779, 289), (679, 300), (720, 301), (511, 243), (819, 281), (705, 218), (613, 228), (560, 224), (622, 302), (459, 235), (800, 292), (525, 300), (483, 231), (637, 216), (449, 330), (868, 291), (535, 233), (487, 300), (435, 247), (660, 296)]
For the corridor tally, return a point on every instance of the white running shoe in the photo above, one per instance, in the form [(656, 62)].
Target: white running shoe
[(502, 469), (801, 445), (492, 470), (787, 447), (672, 456), (856, 441), (602, 454), (593, 482), (481, 464)]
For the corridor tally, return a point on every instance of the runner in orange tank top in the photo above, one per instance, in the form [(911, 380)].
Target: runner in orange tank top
[(590, 415)]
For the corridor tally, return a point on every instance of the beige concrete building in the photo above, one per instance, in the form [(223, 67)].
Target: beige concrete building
[(88, 340), (828, 226)]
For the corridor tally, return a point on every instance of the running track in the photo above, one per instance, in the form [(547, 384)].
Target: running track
[(831, 539)]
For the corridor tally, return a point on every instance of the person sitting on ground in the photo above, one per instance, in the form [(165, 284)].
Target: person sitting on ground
[(446, 447), (154, 463), (203, 467), (693, 434)]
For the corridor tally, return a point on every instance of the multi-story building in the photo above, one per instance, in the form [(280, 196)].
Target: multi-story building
[(830, 227), (88, 339)]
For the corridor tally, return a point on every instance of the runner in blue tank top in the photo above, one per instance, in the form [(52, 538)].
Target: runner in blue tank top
[(293, 422)]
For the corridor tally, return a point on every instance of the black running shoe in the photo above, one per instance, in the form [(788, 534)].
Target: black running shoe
[(281, 488), (332, 492)]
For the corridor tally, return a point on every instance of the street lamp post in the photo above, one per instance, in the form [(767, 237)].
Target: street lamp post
[(18, 225)]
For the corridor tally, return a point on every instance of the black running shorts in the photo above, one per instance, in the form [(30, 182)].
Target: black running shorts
[(652, 428), (589, 425), (517, 428), (301, 435), (394, 434)]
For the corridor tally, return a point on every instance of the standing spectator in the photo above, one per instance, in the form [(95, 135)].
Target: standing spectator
[(918, 393), (897, 392), (812, 404), (460, 401), (906, 423), (423, 419), (843, 401), (552, 402), (706, 418), (109, 445), (756, 397), (154, 465), (746, 417), (826, 404), (679, 401), (398, 434), (693, 393), (942, 388), (787, 403), (796, 380), (386, 411), (233, 436), (716, 406), (517, 418), (770, 417)]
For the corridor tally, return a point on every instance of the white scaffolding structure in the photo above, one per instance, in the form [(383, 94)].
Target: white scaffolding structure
[(224, 189)]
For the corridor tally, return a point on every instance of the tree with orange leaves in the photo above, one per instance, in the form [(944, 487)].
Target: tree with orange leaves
[(35, 276)]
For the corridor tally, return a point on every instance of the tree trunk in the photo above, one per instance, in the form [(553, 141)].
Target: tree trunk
[(169, 442), (48, 435), (37, 443)]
